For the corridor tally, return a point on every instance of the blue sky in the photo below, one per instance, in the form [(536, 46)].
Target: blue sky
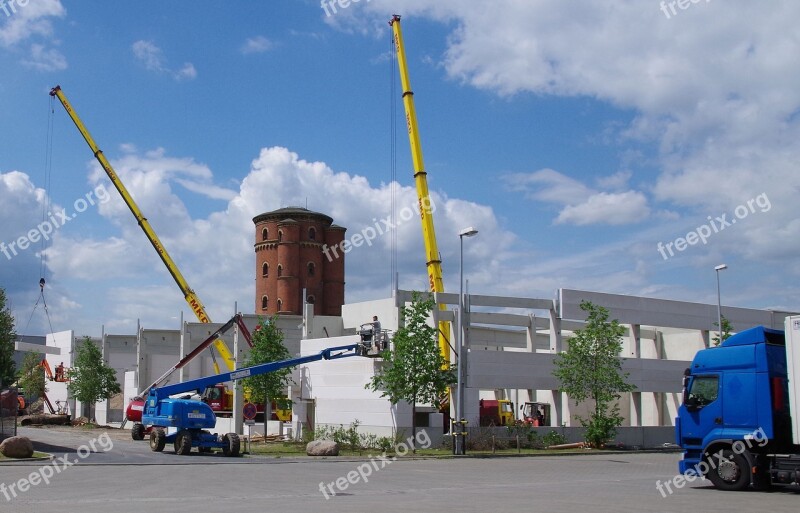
[(575, 136)]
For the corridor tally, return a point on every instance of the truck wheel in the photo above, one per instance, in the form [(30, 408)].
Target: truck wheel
[(137, 431), (729, 472), (183, 443), (232, 444), (158, 439)]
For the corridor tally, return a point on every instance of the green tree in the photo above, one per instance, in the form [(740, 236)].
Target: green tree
[(415, 371), (90, 378), (31, 376), (727, 328), (267, 347), (591, 369), (7, 337)]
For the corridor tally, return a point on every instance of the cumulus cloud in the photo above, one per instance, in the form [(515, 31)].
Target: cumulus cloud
[(123, 280), (258, 44), (152, 58), (581, 205), (614, 209), (45, 59), (34, 19)]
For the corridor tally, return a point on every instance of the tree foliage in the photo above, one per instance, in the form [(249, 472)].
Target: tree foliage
[(727, 328), (31, 376), (267, 347), (7, 337), (415, 371), (591, 369), (91, 380)]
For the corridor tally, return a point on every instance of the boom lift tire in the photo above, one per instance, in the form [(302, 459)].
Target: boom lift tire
[(232, 445), (183, 443), (158, 440), (137, 431), (731, 473)]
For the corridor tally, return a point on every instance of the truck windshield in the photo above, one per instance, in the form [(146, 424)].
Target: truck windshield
[(703, 390)]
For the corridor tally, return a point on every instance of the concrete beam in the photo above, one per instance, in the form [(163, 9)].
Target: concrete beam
[(36, 348)]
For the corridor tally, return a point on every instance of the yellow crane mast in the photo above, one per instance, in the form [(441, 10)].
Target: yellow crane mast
[(189, 294), (432, 257)]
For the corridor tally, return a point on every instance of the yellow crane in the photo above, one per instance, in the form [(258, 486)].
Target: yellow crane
[(432, 257), (189, 294)]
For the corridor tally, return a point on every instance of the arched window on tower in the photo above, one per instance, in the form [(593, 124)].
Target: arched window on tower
[(264, 302), (312, 233), (280, 305), (264, 234), (280, 271), (280, 235), (311, 269)]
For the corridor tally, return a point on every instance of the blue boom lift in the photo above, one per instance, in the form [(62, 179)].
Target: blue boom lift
[(192, 419)]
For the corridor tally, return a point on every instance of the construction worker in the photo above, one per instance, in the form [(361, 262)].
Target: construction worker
[(376, 332)]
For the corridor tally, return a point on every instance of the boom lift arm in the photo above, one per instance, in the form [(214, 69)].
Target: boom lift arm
[(157, 394), (189, 294), (191, 419)]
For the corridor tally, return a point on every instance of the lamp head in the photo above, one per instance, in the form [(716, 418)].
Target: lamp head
[(468, 232)]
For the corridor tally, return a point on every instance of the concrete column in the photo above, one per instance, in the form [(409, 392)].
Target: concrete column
[(636, 409), (706, 338), (634, 341), (183, 350), (560, 410), (555, 332), (143, 370), (238, 391)]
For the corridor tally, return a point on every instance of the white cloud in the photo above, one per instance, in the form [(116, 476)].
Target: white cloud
[(22, 23), (548, 185), (714, 89), (607, 208), (152, 58), (258, 44), (215, 253), (46, 59), (582, 205)]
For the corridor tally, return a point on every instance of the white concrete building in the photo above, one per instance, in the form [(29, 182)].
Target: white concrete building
[(511, 345)]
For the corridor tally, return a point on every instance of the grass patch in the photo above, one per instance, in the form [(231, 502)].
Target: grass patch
[(299, 449), (36, 454)]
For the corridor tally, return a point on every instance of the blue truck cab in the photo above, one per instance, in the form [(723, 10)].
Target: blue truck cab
[(735, 424)]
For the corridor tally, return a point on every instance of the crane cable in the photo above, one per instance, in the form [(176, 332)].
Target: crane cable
[(48, 172)]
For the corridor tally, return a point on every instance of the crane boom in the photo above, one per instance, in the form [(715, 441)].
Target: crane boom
[(432, 257), (189, 294)]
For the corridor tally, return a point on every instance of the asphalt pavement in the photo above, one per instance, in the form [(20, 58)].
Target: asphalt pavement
[(130, 478)]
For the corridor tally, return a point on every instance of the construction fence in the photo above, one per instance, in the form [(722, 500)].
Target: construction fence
[(9, 407)]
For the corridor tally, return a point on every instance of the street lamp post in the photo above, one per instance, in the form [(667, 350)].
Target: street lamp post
[(460, 442), (719, 268)]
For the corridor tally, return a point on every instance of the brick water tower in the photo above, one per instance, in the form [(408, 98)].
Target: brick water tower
[(289, 258)]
